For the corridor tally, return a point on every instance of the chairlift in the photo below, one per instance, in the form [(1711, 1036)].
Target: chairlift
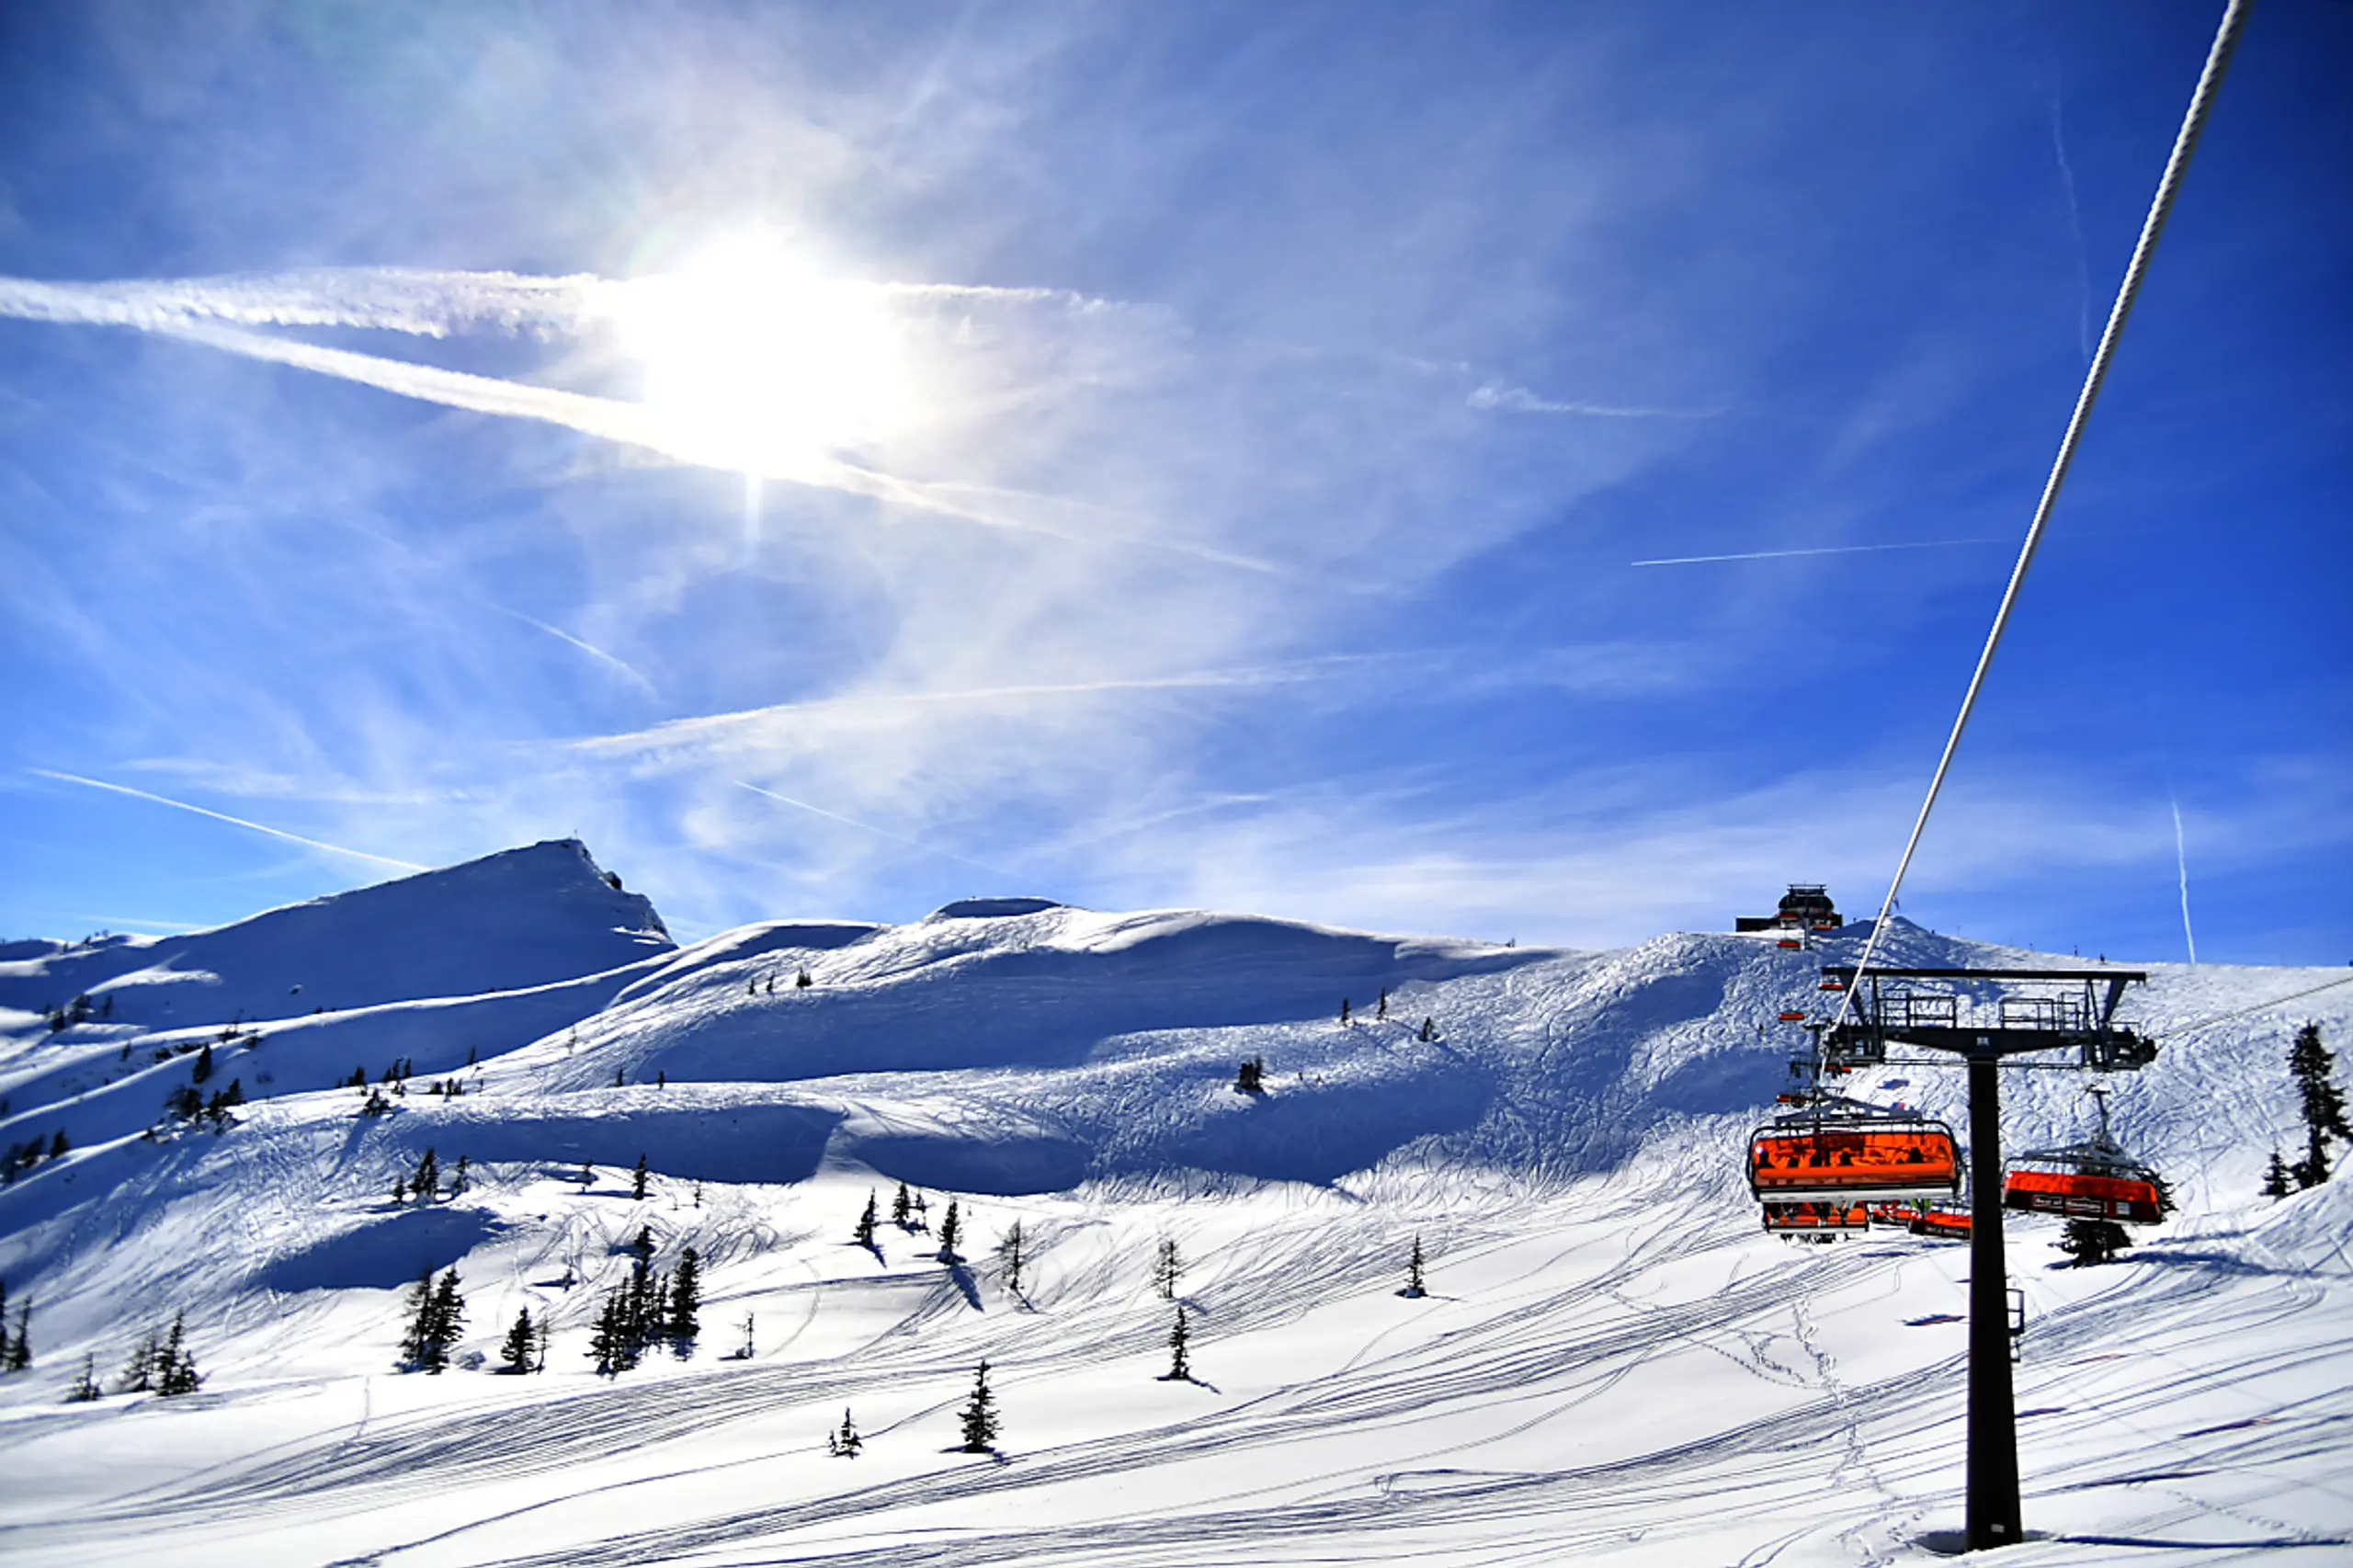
[(1832, 983), (1792, 1015), (1842, 1152), (1944, 1221), (1789, 942), (2095, 1179)]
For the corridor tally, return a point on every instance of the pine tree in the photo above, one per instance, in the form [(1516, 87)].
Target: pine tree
[(605, 1341), (176, 1370), (86, 1387), (458, 1180), (417, 1331), (2313, 1067), (139, 1374), (643, 1246), (685, 1300), (58, 1146), (864, 1235), (2091, 1241), (1344, 1010), (1180, 1368), (2275, 1177), (449, 1317), (1166, 1268), (844, 1442), (1009, 1257), (802, 982), (1413, 1288), (516, 1351), (980, 1417), (901, 1206), (426, 1184), (948, 1232), (1250, 1078), (1430, 1029), (637, 1182), (203, 1068), (1382, 1011), (20, 1341)]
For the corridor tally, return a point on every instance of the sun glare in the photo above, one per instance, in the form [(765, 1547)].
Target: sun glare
[(751, 362)]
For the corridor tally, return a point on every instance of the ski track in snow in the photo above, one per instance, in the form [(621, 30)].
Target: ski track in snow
[(1612, 1362)]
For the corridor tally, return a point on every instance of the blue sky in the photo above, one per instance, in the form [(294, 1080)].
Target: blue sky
[(1204, 455)]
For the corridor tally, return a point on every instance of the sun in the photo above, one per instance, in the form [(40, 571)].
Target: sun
[(754, 362)]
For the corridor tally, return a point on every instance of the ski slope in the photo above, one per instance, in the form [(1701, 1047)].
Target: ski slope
[(1612, 1362)]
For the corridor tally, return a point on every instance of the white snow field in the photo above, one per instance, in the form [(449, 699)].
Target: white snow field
[(1613, 1364)]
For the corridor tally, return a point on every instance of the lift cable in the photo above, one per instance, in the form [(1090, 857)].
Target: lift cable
[(2259, 1006), (2219, 57)]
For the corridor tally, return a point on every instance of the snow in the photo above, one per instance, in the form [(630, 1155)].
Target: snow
[(1613, 1362)]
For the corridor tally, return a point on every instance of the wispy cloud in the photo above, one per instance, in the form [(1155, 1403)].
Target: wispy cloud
[(881, 832), (223, 816), (1520, 400)]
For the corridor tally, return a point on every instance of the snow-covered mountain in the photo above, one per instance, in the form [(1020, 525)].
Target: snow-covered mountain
[(1072, 1069)]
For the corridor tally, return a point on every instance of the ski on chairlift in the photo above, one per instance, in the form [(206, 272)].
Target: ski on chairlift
[(1813, 1221)]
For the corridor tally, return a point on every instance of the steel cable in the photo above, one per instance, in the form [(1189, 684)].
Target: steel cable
[(2193, 122)]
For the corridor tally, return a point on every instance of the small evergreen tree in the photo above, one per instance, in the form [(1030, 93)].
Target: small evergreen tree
[(949, 1232), (1430, 1029), (1382, 1011), (58, 1146), (86, 1387), (426, 1184), (1010, 1258), (980, 1417), (176, 1370), (606, 1342), (458, 1178), (686, 1301), (901, 1208), (2275, 1177), (516, 1351), (2313, 1067), (864, 1235), (203, 1068), (1250, 1078), (637, 1182), (1180, 1368), (643, 1246), (19, 1342), (1413, 1287), (138, 1374), (801, 981), (2091, 1241), (844, 1442), (1344, 1010), (1167, 1266)]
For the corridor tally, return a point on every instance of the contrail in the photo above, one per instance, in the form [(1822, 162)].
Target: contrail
[(879, 833), (711, 726), (223, 816), (2181, 858), (217, 312), (1824, 549), (2075, 226), (628, 671)]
